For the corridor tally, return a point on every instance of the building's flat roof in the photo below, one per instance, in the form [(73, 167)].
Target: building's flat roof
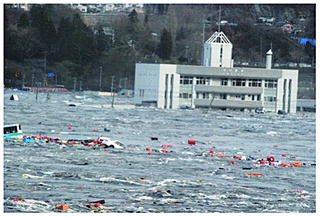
[(254, 73), (229, 72)]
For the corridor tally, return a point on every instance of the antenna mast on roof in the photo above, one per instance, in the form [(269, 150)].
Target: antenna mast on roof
[(219, 18)]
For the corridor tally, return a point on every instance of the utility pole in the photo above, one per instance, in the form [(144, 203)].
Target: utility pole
[(32, 80), (23, 78), (204, 22), (44, 80), (74, 84), (100, 77), (260, 51), (37, 93), (202, 53), (80, 85), (45, 67), (187, 47), (112, 91)]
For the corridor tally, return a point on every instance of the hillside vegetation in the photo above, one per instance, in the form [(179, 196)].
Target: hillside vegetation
[(74, 46)]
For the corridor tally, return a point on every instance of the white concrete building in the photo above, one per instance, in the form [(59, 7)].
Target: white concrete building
[(176, 86)]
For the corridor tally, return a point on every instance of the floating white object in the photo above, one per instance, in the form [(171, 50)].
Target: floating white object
[(14, 97)]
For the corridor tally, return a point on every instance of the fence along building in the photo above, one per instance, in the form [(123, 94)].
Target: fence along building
[(217, 83)]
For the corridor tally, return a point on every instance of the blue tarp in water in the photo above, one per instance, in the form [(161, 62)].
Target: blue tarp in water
[(305, 40), (123, 91)]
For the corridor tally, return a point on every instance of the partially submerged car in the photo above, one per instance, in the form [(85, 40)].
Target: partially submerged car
[(108, 143)]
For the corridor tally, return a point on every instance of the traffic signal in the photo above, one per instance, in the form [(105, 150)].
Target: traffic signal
[(17, 74)]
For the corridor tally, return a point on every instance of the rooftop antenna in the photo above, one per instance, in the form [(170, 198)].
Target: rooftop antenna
[(219, 18)]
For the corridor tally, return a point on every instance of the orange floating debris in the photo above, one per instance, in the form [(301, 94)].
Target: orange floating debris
[(62, 207), (297, 164), (253, 174)]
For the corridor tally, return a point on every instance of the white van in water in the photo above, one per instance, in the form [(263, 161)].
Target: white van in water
[(12, 131), (111, 144)]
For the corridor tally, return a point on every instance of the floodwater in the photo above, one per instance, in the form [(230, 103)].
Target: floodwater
[(188, 179)]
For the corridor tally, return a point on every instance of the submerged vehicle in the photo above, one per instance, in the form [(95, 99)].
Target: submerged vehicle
[(12, 131), (111, 144), (260, 110)]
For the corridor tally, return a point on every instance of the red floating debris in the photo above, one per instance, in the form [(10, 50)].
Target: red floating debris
[(191, 142)]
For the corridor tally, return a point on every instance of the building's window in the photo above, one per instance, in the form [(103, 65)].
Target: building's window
[(239, 96), (238, 82), (141, 92), (202, 81), (224, 81), (258, 97), (270, 84), (223, 96), (254, 82), (185, 96), (190, 95), (252, 98), (270, 99), (180, 95), (205, 95), (186, 80)]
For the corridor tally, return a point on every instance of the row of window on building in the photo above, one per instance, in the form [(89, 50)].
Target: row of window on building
[(221, 96), (187, 80)]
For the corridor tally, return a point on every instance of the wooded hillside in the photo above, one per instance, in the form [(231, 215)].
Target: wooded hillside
[(72, 45)]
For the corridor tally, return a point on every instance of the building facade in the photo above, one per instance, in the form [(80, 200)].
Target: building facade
[(216, 84), (176, 86)]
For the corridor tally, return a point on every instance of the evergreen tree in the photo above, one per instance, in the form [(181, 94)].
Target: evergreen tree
[(132, 26), (6, 22), (23, 21), (103, 41), (133, 16), (146, 18), (165, 46), (41, 19), (80, 48), (63, 37)]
